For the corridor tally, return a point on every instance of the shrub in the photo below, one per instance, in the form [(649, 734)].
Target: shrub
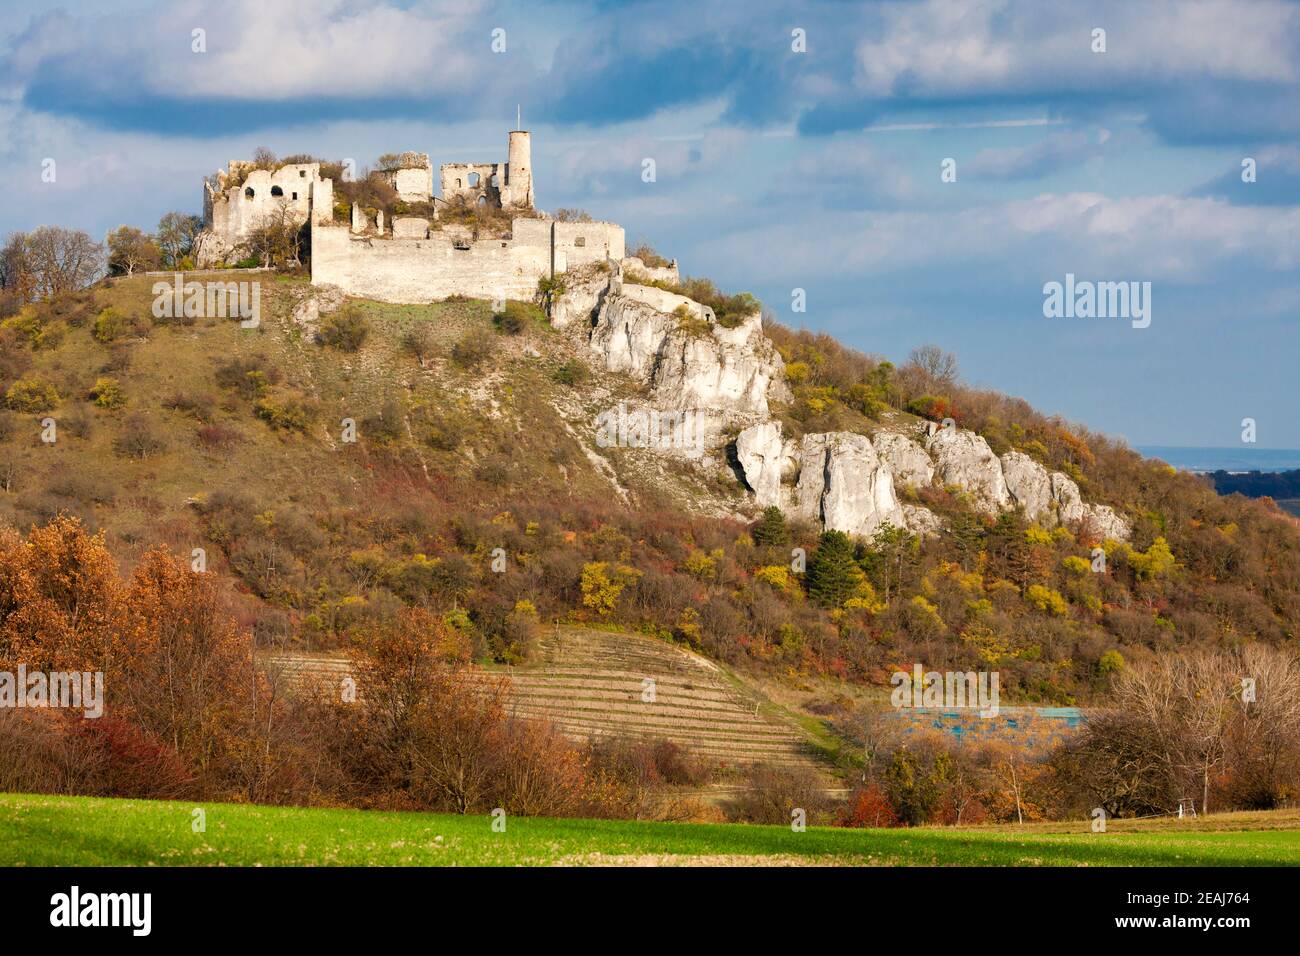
[(572, 372), (200, 406), (472, 349), (249, 376), (218, 437), (289, 414), (649, 255), (516, 316), (107, 393), (137, 438), (345, 330), (1045, 599), (31, 395), (112, 324), (419, 341)]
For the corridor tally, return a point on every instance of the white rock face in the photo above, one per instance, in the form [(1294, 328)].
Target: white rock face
[(1029, 485), (1069, 504), (905, 458), (1106, 522), (844, 484), (964, 459), (922, 521), (581, 298), (764, 457), (721, 369)]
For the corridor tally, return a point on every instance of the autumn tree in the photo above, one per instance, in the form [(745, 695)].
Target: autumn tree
[(130, 250), (50, 261), (177, 232)]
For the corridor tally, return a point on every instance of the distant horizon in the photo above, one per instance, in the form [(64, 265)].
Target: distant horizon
[(1209, 458)]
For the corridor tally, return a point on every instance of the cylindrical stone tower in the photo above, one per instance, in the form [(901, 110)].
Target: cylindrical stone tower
[(519, 172)]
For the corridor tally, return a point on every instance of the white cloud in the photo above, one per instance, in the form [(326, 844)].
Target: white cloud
[(938, 48), (261, 50), (1146, 237)]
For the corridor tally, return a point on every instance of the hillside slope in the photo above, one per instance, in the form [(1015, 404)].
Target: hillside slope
[(477, 485), (595, 685)]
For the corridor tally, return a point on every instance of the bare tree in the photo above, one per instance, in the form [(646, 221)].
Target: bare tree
[(62, 260), (277, 237), (935, 362), (1190, 719)]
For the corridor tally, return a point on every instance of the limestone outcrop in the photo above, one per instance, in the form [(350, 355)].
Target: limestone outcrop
[(765, 458), (693, 363), (1029, 485), (905, 458), (921, 520), (964, 459), (1105, 522), (844, 485), (847, 482)]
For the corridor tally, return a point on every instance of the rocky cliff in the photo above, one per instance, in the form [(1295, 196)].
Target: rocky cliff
[(685, 359)]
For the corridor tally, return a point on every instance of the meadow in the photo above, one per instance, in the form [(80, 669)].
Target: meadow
[(78, 831)]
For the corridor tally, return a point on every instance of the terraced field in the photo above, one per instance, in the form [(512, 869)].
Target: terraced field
[(594, 684)]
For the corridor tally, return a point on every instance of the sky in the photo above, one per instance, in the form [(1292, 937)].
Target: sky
[(795, 147)]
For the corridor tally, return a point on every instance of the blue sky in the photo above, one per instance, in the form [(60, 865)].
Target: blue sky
[(775, 169)]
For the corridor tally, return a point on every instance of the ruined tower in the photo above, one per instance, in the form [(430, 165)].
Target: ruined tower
[(519, 168)]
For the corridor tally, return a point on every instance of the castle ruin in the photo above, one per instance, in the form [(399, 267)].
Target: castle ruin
[(413, 258)]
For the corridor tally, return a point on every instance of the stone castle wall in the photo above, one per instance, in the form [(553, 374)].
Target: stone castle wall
[(430, 269)]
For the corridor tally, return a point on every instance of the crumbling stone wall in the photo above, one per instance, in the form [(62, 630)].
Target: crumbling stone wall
[(412, 176), (233, 209), (499, 185)]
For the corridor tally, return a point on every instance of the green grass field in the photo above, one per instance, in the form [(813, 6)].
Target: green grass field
[(72, 831)]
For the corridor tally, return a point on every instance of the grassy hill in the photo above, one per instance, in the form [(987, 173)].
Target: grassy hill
[(61, 831)]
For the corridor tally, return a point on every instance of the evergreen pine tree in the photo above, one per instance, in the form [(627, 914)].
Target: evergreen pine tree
[(771, 530), (833, 575)]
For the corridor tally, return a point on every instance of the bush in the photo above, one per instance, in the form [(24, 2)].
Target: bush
[(112, 324), (775, 793), (32, 395), (200, 406), (218, 437), (345, 330), (107, 393), (420, 342), (137, 438), (472, 349), (250, 376), (649, 255), (516, 316), (290, 414), (572, 372)]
